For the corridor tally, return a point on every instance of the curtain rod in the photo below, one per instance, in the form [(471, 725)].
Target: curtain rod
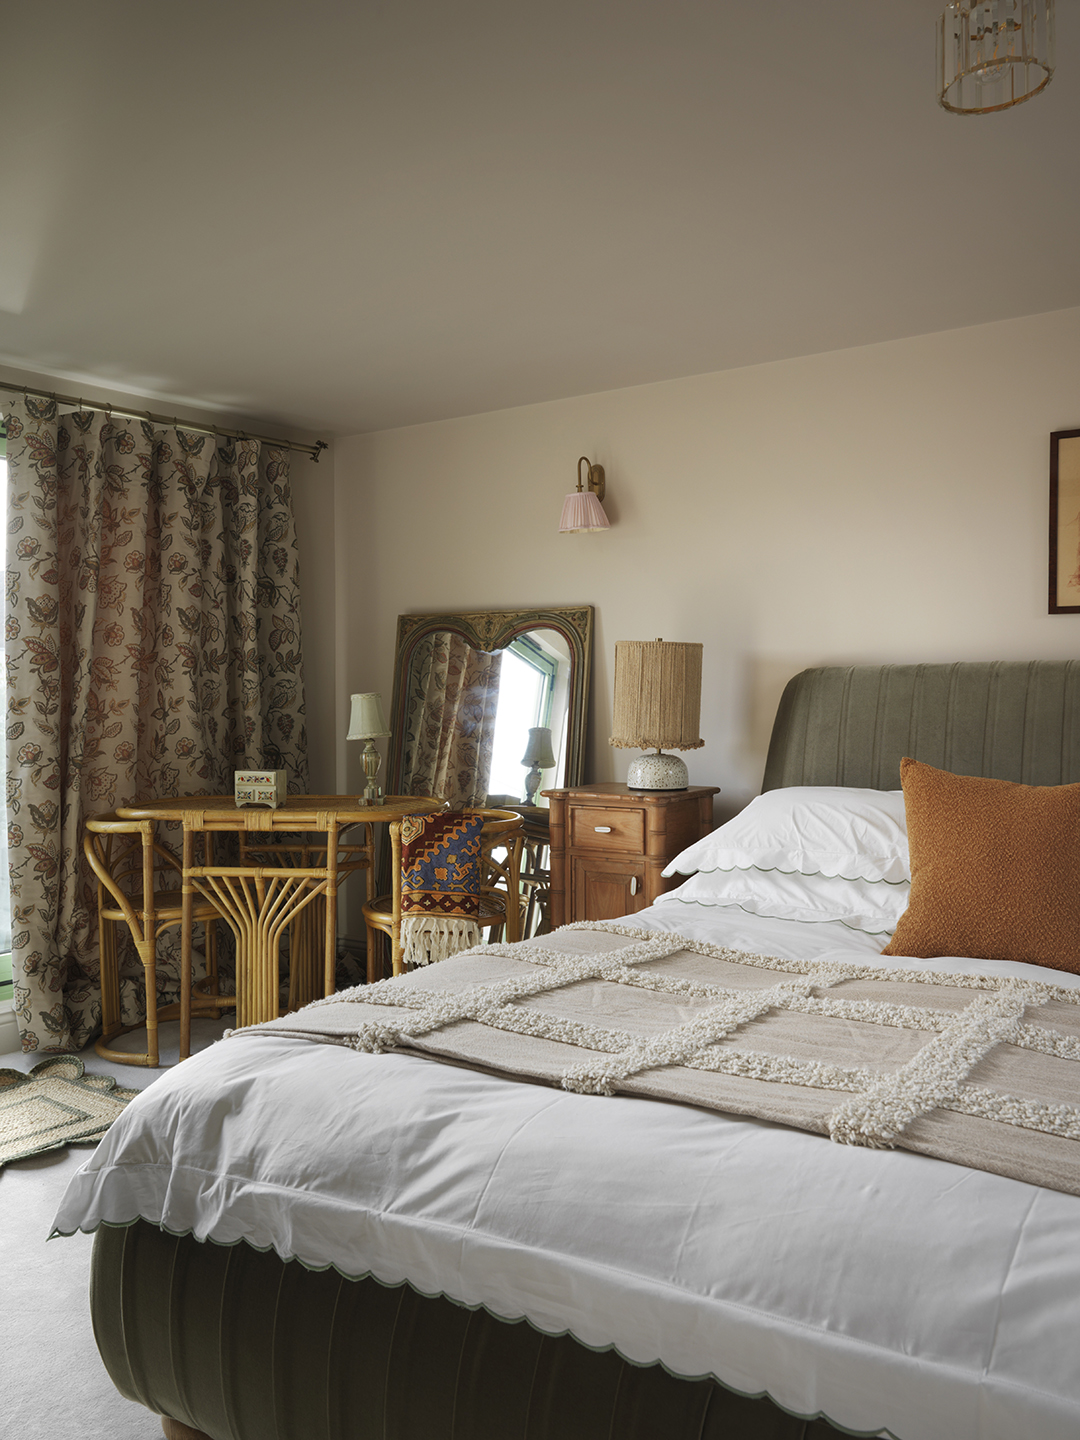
[(313, 450)]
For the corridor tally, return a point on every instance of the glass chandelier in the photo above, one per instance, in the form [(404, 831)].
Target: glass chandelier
[(994, 53)]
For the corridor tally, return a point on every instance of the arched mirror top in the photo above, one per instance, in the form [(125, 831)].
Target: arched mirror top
[(456, 673)]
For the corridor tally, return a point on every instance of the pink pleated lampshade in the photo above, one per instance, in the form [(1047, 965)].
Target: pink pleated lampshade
[(582, 511)]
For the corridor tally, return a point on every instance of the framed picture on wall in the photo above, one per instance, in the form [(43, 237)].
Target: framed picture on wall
[(1065, 522)]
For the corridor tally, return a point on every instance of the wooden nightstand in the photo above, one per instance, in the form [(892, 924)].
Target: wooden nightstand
[(609, 845)]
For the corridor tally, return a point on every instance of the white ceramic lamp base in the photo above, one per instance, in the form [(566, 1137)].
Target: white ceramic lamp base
[(658, 772)]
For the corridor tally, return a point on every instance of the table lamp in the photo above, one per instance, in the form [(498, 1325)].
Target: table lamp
[(367, 723), (657, 703), (538, 754)]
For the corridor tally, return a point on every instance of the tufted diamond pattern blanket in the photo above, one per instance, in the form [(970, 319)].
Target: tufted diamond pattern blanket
[(976, 1069)]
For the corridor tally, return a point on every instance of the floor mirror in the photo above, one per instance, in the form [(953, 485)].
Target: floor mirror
[(488, 709)]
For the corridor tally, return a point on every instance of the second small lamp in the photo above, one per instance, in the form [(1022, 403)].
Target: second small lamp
[(367, 722), (538, 754)]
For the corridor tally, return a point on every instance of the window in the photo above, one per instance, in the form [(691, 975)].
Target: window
[(526, 688)]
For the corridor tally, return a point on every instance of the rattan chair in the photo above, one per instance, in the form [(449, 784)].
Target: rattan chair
[(130, 866), (500, 889), (535, 885)]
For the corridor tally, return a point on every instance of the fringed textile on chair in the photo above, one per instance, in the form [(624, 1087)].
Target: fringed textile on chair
[(441, 864)]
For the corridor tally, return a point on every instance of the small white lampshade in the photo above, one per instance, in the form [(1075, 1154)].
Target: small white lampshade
[(582, 511), (538, 751), (367, 719)]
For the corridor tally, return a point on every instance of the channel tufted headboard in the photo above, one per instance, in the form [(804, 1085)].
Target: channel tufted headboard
[(852, 724)]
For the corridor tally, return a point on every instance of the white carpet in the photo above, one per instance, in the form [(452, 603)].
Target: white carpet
[(52, 1381)]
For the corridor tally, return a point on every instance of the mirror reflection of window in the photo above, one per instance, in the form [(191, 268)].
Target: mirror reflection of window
[(446, 697), (532, 691)]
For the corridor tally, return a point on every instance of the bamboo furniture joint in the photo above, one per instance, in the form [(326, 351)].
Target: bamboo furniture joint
[(292, 862)]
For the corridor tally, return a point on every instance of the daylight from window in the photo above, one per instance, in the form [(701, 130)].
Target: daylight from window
[(523, 691)]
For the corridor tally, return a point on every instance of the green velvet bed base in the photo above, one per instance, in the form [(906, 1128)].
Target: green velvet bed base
[(240, 1345)]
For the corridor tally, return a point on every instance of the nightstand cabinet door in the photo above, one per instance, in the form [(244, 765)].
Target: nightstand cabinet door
[(605, 889), (609, 846)]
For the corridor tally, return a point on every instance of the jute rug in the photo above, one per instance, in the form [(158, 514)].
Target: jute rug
[(53, 1105)]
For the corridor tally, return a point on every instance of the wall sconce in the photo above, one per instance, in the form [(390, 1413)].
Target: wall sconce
[(582, 509)]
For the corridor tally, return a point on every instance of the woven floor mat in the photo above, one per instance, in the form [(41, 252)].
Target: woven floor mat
[(55, 1104)]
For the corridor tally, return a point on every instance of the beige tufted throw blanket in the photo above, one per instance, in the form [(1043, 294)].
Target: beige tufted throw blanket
[(979, 1070)]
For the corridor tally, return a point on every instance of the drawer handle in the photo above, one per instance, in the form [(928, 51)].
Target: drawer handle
[(602, 829), (633, 884)]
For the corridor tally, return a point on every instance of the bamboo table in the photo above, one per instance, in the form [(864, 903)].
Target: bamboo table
[(303, 858)]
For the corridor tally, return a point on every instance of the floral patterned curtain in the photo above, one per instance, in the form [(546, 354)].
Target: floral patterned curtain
[(450, 719), (153, 646)]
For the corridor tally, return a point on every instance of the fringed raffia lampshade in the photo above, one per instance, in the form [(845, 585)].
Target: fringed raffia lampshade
[(657, 704)]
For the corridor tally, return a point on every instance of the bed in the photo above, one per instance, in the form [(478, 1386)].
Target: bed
[(301, 1239)]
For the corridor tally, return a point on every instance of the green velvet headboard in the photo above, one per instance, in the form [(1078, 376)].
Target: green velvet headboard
[(852, 724)]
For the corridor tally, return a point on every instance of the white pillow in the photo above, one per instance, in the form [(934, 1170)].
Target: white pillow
[(826, 830), (874, 906)]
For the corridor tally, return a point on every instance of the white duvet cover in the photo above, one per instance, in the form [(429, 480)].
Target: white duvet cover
[(893, 1293)]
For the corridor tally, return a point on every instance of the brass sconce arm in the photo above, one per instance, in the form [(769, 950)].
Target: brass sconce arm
[(594, 478)]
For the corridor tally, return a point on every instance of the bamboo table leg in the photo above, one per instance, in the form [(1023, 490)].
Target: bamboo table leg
[(187, 903), (330, 957), (258, 903)]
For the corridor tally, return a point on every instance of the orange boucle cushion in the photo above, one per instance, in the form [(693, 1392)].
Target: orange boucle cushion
[(995, 869)]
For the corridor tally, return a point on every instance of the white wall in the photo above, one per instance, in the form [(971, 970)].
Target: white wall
[(887, 503)]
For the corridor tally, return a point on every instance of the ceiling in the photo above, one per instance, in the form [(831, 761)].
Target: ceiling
[(350, 216)]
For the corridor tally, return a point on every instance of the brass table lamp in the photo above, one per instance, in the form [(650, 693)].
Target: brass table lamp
[(367, 723)]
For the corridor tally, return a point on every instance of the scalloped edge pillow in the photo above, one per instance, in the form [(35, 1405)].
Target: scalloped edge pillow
[(873, 906), (995, 869), (810, 830), (810, 853)]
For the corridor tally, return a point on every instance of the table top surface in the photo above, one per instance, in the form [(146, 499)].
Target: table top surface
[(302, 811), (618, 790)]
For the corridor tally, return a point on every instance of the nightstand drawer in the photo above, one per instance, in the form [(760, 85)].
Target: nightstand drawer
[(592, 828)]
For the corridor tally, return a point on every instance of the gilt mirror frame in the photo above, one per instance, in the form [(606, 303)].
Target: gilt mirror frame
[(494, 630)]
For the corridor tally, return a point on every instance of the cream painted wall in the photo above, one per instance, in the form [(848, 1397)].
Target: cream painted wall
[(887, 503)]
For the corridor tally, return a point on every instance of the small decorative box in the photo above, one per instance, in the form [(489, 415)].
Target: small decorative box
[(259, 787)]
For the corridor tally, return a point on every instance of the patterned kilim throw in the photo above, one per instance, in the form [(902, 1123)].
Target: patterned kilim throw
[(440, 885)]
